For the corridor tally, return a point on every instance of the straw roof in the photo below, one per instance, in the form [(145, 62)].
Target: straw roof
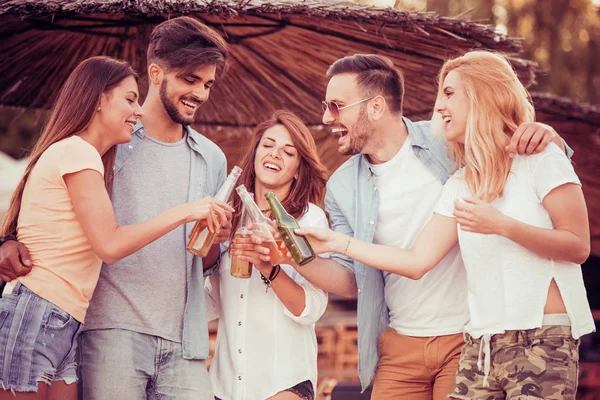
[(561, 108), (280, 49)]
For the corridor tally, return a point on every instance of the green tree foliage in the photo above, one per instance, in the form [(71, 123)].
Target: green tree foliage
[(563, 36)]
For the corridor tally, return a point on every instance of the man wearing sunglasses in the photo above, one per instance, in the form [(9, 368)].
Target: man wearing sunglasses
[(409, 331)]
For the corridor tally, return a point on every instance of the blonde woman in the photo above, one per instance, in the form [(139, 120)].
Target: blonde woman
[(523, 231)]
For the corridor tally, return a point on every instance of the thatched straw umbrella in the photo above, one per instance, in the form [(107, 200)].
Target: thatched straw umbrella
[(280, 52), (280, 49)]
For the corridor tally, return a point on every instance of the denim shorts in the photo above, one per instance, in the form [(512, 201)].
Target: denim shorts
[(38, 341)]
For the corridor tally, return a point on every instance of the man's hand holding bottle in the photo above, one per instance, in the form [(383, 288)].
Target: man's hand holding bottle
[(216, 213)]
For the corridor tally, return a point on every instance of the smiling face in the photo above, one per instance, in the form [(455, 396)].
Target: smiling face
[(119, 110), (353, 126), (453, 105), (276, 160), (183, 93)]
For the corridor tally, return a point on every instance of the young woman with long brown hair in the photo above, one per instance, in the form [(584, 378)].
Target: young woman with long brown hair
[(266, 346), (61, 211)]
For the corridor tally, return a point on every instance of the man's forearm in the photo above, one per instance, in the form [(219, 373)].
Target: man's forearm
[(330, 276)]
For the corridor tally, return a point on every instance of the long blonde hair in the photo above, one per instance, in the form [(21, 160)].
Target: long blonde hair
[(498, 104)]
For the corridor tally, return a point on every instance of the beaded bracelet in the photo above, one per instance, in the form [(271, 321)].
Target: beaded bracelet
[(272, 275)]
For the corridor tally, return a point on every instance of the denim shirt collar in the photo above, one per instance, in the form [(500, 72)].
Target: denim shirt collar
[(417, 136), (193, 137), (431, 151)]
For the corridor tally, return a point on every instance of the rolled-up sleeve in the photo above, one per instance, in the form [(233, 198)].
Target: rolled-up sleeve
[(316, 302), (339, 223)]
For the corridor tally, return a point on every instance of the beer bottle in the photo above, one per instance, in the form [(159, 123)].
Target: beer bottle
[(262, 225), (201, 239), (297, 245), (240, 268)]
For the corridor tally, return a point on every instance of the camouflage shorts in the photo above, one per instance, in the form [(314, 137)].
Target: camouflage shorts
[(531, 364)]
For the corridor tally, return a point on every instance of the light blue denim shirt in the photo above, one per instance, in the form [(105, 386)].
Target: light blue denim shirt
[(208, 171), (352, 202)]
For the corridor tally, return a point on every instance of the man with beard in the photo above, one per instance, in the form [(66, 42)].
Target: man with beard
[(146, 333), (410, 331)]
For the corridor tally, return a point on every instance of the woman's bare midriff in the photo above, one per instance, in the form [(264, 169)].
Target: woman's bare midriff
[(554, 301)]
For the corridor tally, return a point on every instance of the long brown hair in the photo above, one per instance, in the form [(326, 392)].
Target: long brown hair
[(312, 174), (73, 111)]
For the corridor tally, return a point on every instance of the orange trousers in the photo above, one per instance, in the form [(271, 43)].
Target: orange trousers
[(416, 368)]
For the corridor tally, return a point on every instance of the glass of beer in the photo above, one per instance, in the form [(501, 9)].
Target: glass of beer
[(240, 268), (267, 233)]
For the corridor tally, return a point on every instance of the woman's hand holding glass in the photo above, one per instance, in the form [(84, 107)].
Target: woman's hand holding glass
[(253, 249), (322, 240)]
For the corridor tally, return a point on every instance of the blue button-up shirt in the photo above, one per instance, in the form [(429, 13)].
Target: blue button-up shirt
[(352, 202), (208, 171)]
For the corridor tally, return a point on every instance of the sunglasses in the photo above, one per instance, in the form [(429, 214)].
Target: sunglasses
[(334, 108)]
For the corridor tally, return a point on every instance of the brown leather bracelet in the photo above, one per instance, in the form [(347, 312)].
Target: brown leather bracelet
[(274, 272), (272, 275), (5, 239)]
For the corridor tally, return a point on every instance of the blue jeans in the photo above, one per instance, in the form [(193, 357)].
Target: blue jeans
[(38, 341), (119, 364)]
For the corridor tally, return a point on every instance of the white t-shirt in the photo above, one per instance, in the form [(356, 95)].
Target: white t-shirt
[(262, 348), (508, 284), (436, 304)]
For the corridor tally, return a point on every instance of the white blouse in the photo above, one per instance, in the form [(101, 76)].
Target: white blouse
[(262, 348)]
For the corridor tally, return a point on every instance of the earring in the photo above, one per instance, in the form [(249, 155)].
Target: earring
[(98, 108)]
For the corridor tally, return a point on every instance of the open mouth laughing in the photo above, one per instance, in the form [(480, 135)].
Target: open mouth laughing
[(191, 105), (271, 166), (339, 131)]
